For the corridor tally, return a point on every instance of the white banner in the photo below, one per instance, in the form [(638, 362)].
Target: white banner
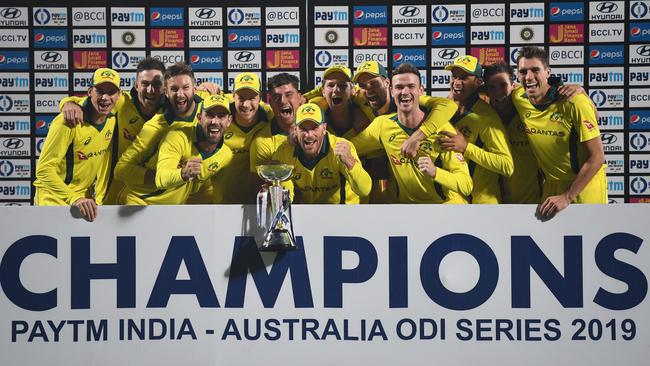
[(382, 285)]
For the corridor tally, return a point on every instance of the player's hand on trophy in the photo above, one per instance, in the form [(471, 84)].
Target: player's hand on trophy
[(72, 114), (342, 151), (192, 169), (452, 141), (426, 166)]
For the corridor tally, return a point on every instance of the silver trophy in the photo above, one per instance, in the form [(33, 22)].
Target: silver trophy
[(279, 233)]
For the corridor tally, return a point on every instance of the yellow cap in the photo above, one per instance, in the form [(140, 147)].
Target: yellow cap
[(216, 101), (338, 68), (248, 80), (373, 68), (105, 75), (309, 112), (467, 63)]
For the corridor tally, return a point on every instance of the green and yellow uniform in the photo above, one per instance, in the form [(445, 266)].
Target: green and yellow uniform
[(129, 124), (524, 185), (265, 144), (71, 160), (235, 185), (452, 181), (324, 179), (487, 149), (556, 132), (177, 147), (142, 155)]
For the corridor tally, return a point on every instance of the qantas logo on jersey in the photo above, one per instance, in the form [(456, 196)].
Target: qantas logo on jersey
[(401, 160), (536, 131), (81, 156), (590, 126), (316, 189)]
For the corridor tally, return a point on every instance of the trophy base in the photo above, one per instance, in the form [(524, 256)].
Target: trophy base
[(278, 241)]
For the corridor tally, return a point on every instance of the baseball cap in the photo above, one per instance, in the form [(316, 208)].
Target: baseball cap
[(338, 68), (467, 63), (370, 67), (216, 101), (309, 112), (248, 80), (106, 75)]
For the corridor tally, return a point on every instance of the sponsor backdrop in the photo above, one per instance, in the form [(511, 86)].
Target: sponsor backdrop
[(47, 52), (562, 292)]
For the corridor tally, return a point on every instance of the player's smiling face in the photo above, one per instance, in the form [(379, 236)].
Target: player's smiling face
[(149, 85), (103, 97), (406, 91), (285, 100), (247, 102), (337, 90), (375, 89), (499, 87), (214, 123), (463, 84), (310, 137), (533, 75), (180, 94)]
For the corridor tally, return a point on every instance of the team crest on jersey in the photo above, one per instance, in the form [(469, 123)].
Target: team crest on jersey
[(326, 173), (81, 155), (296, 176), (590, 126), (426, 146), (466, 131), (127, 135), (108, 135), (557, 117), (213, 167)]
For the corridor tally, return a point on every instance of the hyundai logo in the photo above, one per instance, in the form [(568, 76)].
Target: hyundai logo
[(10, 13), (448, 54), (244, 56), (607, 7), (643, 50), (608, 138), (13, 143), (51, 56), (409, 11), (205, 13)]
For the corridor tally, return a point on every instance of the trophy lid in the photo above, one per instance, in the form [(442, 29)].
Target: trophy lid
[(275, 172)]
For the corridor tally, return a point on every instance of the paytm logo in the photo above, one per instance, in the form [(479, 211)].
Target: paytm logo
[(561, 12), (15, 168), (50, 38), (526, 12), (287, 37), (454, 35), (206, 60), (639, 75), (14, 125), (50, 17), (127, 16), (606, 76), (89, 38), (167, 17), (639, 32), (639, 10), (370, 15), (639, 164), (610, 120), (606, 55), (569, 75), (326, 58), (14, 60), (329, 15), (244, 38), (488, 34), (415, 56), (608, 98), (244, 17), (448, 14), (14, 81), (639, 119)]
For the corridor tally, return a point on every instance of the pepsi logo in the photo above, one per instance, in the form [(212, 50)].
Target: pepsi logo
[(555, 10), (398, 57), (635, 118), (233, 37), (358, 14), (39, 37), (155, 16), (437, 35), (2, 59), (195, 59), (40, 124), (595, 53), (635, 31)]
